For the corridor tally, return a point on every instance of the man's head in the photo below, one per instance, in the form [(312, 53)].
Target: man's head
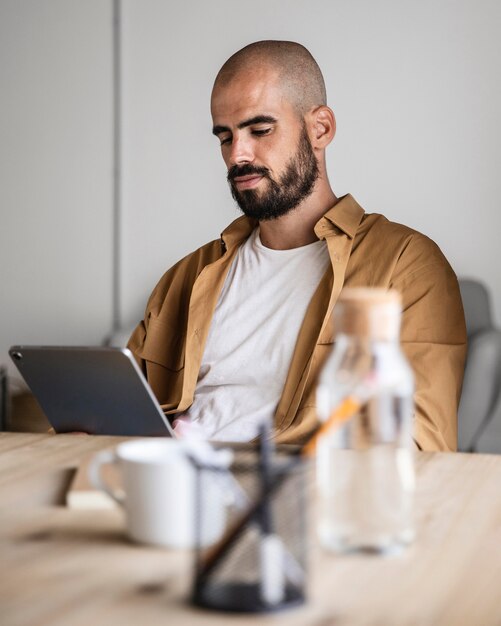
[(300, 78), (269, 112)]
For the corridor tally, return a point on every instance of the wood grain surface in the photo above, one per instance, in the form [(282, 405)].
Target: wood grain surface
[(66, 567)]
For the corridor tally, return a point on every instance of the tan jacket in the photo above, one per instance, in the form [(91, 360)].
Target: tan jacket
[(365, 250)]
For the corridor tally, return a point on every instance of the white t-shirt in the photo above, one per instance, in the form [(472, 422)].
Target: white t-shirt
[(252, 337)]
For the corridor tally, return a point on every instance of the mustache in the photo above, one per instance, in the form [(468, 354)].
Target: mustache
[(245, 170)]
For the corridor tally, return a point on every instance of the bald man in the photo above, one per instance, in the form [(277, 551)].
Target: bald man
[(237, 332)]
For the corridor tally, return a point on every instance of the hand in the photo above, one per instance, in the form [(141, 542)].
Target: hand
[(184, 428)]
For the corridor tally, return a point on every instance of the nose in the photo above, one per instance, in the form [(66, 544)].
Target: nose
[(241, 151)]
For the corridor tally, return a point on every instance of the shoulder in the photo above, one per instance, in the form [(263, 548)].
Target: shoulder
[(389, 254), (175, 286), (415, 266), (179, 279), (406, 249)]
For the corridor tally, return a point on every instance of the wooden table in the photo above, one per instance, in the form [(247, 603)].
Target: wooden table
[(65, 567)]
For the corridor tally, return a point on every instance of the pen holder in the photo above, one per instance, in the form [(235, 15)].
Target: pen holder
[(259, 563)]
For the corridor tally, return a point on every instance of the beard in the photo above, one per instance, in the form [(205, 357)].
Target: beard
[(282, 196)]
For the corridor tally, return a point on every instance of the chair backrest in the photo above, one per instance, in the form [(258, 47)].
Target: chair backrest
[(476, 304), (3, 398), (481, 384)]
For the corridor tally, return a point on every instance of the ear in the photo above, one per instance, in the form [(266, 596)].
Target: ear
[(322, 127)]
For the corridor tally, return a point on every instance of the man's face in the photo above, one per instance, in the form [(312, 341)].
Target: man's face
[(265, 145)]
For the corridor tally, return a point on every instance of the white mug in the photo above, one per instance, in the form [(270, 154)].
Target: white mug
[(160, 485)]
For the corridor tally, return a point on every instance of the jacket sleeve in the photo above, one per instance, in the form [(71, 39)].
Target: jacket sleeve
[(135, 342), (433, 337), (159, 341)]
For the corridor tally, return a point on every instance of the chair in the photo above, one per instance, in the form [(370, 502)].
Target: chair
[(479, 416), (3, 398)]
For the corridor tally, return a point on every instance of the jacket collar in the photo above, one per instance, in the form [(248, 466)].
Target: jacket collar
[(238, 231), (345, 215)]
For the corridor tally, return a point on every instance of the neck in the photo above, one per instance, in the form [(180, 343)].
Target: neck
[(296, 229)]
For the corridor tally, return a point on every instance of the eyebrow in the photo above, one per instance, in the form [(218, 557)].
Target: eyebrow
[(258, 119)]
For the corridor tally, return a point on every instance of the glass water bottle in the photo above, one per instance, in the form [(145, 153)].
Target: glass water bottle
[(365, 465)]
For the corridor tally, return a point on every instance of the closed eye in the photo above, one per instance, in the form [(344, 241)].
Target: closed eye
[(260, 132)]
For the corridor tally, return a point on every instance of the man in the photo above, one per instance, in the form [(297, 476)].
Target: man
[(238, 331)]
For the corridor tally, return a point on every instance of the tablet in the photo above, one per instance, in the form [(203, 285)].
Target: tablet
[(96, 390)]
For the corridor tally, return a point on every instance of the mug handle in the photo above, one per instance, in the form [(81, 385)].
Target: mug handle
[(105, 457)]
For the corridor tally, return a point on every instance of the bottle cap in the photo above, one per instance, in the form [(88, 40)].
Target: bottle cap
[(368, 312)]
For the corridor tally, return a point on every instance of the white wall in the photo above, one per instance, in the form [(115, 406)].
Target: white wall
[(55, 172), (415, 87)]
